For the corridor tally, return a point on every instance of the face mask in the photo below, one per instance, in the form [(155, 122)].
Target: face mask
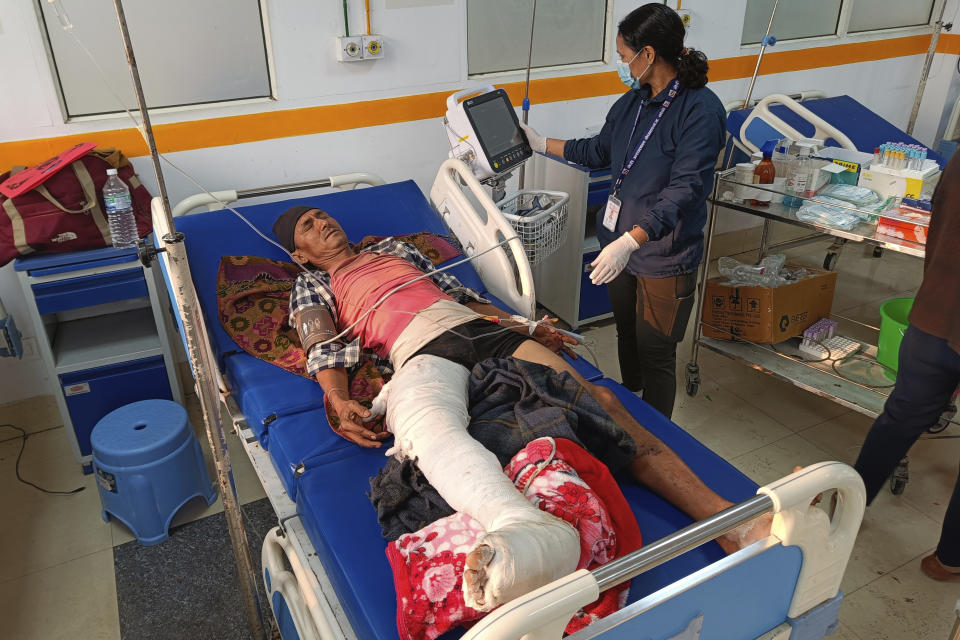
[(623, 70)]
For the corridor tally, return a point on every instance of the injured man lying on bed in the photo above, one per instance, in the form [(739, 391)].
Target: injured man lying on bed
[(432, 331)]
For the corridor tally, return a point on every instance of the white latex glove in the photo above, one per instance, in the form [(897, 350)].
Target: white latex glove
[(613, 259), (537, 142)]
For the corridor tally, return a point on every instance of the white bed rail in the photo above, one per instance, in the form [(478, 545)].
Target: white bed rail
[(218, 199), (311, 614), (825, 544), (823, 130), (505, 271)]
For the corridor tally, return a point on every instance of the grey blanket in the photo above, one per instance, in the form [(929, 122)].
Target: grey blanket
[(512, 402)]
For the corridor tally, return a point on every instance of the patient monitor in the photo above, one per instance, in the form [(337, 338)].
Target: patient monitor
[(485, 133)]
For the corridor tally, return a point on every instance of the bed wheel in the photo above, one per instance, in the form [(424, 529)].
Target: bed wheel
[(878, 251), (692, 378), (830, 261), (900, 477)]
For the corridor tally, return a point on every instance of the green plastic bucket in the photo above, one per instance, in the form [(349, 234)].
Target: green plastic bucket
[(893, 323)]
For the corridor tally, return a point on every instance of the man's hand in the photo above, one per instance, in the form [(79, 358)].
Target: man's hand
[(351, 414), (554, 340)]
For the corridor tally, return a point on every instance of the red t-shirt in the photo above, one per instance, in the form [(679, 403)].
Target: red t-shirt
[(364, 279)]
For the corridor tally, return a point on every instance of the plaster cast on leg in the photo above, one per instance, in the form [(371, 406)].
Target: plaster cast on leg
[(525, 547)]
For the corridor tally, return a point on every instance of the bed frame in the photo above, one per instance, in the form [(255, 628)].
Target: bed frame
[(787, 584)]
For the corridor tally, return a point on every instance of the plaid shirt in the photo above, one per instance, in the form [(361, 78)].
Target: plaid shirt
[(317, 291)]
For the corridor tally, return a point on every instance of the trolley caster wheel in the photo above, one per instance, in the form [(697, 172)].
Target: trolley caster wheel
[(830, 261), (692, 378), (900, 477), (878, 252)]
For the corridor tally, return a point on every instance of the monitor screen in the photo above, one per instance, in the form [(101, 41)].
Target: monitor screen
[(496, 126)]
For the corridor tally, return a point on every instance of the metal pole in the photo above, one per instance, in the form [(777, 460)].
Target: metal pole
[(526, 93), (763, 48), (198, 348), (927, 63), (653, 555)]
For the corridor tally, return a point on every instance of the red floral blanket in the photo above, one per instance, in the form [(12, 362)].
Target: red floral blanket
[(560, 478)]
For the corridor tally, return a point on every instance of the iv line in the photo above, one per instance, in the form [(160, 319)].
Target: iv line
[(68, 27)]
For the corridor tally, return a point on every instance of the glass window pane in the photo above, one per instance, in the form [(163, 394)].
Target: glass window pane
[(868, 15), (567, 32), (805, 19), (188, 52)]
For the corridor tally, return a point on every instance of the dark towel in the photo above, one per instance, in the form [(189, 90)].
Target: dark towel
[(512, 402)]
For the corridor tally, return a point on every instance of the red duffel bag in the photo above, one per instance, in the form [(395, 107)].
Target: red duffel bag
[(66, 212)]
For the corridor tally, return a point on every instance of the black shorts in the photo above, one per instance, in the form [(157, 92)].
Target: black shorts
[(472, 342)]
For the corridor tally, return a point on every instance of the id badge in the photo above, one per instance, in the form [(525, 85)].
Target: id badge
[(611, 213)]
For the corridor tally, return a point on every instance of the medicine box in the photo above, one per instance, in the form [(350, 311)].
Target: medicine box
[(906, 225), (901, 183), (767, 315)]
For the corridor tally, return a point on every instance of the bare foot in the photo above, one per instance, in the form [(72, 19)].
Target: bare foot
[(518, 558), (475, 574), (935, 569), (746, 534)]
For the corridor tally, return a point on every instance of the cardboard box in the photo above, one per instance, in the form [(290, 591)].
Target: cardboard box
[(764, 315)]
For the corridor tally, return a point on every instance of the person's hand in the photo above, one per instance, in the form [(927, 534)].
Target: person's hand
[(352, 414), (613, 259), (554, 340), (537, 142)]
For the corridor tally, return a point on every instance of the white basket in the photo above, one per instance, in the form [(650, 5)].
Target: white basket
[(539, 218)]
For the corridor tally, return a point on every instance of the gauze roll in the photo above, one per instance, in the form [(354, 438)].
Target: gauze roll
[(426, 408)]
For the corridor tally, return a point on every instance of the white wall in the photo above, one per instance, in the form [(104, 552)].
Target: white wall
[(424, 52)]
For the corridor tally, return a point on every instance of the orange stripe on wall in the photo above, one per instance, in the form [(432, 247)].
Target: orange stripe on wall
[(949, 43), (268, 125)]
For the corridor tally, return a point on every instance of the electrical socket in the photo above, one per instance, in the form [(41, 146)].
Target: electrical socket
[(372, 47), (29, 346), (349, 48)]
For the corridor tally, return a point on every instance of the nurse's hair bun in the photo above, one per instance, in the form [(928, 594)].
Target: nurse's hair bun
[(692, 68), (658, 26)]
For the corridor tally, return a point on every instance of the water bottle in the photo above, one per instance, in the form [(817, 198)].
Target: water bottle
[(123, 225)]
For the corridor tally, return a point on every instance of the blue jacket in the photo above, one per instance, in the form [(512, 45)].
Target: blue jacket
[(666, 191)]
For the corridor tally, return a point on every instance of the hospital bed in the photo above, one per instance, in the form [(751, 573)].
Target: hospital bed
[(324, 567)]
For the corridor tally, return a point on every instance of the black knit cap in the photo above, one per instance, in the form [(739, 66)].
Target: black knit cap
[(286, 223)]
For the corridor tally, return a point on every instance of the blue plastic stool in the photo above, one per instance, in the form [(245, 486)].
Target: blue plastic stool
[(148, 464)]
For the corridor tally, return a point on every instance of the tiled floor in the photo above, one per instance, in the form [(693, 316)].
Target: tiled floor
[(56, 564)]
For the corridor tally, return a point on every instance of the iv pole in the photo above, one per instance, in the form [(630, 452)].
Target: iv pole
[(526, 94), (199, 351), (938, 26)]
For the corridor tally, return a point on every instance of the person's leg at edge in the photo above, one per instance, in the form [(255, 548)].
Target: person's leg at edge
[(656, 465), (663, 312), (622, 292), (928, 372), (525, 548), (944, 563)]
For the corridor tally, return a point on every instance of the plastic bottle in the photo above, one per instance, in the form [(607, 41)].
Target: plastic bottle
[(123, 225), (800, 180), (764, 173)]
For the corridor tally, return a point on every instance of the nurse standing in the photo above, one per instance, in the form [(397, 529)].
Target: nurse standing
[(661, 140)]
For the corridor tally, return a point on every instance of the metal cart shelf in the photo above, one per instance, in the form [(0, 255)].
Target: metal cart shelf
[(818, 377)]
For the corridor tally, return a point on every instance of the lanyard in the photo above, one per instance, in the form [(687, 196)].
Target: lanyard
[(674, 88)]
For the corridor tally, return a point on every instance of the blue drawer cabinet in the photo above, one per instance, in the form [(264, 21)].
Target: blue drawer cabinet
[(94, 393), (101, 327), (86, 291)]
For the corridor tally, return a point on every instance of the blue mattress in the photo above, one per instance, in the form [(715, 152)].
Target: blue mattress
[(866, 129)]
